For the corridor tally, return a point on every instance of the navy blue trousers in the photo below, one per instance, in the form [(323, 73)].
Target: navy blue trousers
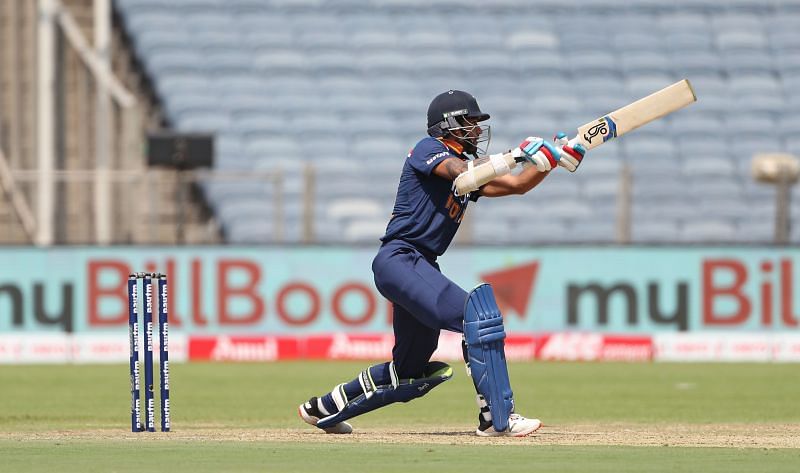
[(424, 301)]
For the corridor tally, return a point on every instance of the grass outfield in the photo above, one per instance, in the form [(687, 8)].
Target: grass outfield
[(242, 417)]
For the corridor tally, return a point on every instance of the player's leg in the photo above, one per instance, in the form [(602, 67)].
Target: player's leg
[(375, 387), (484, 353), (407, 278), (435, 301), (408, 376), (414, 343)]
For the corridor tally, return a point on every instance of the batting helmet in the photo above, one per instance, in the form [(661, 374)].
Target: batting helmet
[(458, 110)]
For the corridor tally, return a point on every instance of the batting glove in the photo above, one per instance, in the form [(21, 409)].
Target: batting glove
[(570, 156), (537, 151)]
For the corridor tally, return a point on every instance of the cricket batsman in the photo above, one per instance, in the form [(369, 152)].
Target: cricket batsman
[(442, 174)]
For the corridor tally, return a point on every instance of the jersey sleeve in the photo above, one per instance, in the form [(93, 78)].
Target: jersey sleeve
[(427, 155)]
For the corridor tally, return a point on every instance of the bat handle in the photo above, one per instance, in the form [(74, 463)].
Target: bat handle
[(574, 141)]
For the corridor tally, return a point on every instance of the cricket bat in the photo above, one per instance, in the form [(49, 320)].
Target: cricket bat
[(596, 132), (634, 115)]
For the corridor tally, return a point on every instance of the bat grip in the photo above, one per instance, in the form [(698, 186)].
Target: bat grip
[(574, 141)]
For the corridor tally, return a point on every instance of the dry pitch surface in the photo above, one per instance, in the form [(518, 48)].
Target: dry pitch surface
[(686, 435)]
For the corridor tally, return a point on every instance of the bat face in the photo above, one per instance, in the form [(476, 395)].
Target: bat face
[(636, 114)]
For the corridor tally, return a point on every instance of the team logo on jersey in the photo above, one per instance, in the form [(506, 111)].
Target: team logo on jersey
[(605, 128), (456, 206)]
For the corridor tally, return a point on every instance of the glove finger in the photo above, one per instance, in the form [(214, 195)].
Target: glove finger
[(550, 154), (530, 147), (561, 139), (568, 165), (575, 153), (542, 164)]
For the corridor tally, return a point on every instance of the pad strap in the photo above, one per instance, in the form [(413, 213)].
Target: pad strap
[(379, 393)]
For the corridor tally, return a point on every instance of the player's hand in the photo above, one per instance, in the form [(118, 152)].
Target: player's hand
[(570, 157), (537, 151)]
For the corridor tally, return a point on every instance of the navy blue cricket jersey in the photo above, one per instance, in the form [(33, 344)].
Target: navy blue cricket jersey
[(427, 211)]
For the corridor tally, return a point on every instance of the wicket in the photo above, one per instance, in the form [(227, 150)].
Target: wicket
[(133, 332)]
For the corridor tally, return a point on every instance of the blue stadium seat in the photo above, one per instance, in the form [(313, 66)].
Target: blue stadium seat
[(671, 206), (175, 61), (437, 64), (787, 62), (756, 230), (706, 125), (773, 104), (366, 231), (681, 42), (163, 40), (707, 231), (643, 85), (333, 62), (259, 122), (757, 83), (654, 231), (741, 41), (272, 146), (710, 187), (661, 187), (358, 76), (712, 166), (280, 62), (245, 83), (785, 40), (556, 103), (696, 62), (267, 38), (223, 61), (143, 23), (374, 145), (644, 62), (490, 64), (682, 21), (180, 103), (383, 62), (749, 124), (314, 39), (585, 62), (594, 230), (601, 188), (603, 160), (532, 41), (549, 231), (629, 42), (638, 146), (497, 231), (736, 22), (250, 231), (481, 41), (789, 124), (204, 122)]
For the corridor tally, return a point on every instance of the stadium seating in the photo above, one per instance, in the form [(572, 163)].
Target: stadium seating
[(344, 85)]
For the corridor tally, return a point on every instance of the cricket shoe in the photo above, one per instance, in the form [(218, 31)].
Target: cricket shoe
[(518, 426), (309, 412)]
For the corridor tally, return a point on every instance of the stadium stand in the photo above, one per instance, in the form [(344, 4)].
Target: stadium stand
[(345, 85)]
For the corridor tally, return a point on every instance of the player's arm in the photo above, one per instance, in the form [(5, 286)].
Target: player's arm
[(536, 152), (505, 184), (511, 184), (450, 168)]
